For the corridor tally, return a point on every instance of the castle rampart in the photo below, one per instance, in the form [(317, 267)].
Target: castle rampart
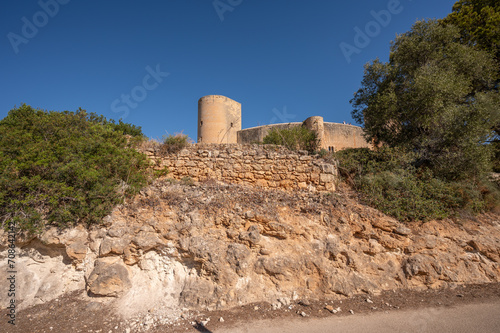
[(341, 136)]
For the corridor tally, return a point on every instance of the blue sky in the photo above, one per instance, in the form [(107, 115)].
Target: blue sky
[(149, 62)]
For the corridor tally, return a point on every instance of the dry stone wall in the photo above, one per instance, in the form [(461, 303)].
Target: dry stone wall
[(265, 166)]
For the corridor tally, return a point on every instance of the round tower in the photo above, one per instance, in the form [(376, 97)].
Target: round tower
[(317, 124), (219, 119)]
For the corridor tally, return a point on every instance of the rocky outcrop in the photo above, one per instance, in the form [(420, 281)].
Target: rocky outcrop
[(214, 245)]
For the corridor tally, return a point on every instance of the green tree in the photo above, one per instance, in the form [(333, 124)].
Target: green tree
[(62, 168), (478, 22), (434, 98)]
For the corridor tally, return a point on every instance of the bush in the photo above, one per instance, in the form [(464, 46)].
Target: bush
[(389, 180), (121, 127), (356, 162), (62, 168), (293, 137), (174, 143), (323, 153)]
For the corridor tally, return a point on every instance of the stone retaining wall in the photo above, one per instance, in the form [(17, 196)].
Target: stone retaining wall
[(266, 166)]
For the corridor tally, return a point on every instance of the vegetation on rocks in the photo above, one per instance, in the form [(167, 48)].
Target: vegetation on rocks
[(388, 180), (66, 167), (174, 143), (293, 137)]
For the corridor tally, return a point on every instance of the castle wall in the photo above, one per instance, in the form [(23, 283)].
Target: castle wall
[(272, 167), (219, 119), (341, 136), (331, 136)]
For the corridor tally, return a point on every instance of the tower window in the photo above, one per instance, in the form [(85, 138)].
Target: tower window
[(201, 123), (231, 124)]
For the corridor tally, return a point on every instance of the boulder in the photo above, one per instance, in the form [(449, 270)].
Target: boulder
[(109, 278)]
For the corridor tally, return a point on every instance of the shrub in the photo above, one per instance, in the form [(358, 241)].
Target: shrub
[(389, 180), (66, 167), (121, 127), (174, 143), (355, 162), (187, 181), (293, 137), (161, 172)]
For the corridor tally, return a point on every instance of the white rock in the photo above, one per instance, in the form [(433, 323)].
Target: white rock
[(276, 306)]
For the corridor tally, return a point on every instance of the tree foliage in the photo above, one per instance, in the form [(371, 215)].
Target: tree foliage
[(434, 97), (478, 22), (65, 167)]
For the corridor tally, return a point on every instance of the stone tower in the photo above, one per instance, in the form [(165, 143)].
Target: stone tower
[(317, 125), (219, 119)]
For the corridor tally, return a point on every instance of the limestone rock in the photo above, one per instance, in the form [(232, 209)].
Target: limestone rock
[(108, 278), (117, 231), (113, 246), (237, 256), (198, 292), (421, 265), (77, 251), (252, 235), (147, 240), (402, 230)]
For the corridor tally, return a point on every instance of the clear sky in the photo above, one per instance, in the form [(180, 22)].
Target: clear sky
[(149, 61)]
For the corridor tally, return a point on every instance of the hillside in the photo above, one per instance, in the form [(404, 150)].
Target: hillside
[(177, 248)]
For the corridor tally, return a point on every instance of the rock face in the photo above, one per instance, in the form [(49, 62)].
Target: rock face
[(215, 246)]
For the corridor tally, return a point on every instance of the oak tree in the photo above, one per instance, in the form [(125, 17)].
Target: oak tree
[(434, 97)]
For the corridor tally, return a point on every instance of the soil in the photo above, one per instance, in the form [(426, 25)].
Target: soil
[(72, 313)]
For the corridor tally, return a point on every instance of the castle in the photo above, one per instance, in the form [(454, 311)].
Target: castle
[(219, 121)]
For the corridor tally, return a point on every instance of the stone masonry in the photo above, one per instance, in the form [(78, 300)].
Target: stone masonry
[(265, 166)]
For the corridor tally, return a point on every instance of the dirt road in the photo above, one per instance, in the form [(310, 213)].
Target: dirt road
[(469, 308), (470, 318)]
